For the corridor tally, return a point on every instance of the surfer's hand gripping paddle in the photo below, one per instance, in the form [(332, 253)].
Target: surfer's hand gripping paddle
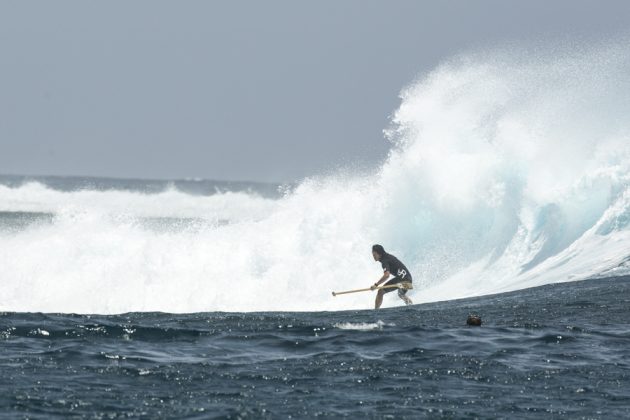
[(406, 286)]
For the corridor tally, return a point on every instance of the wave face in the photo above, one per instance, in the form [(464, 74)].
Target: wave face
[(509, 169)]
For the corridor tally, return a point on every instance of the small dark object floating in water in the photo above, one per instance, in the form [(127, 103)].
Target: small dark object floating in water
[(474, 320)]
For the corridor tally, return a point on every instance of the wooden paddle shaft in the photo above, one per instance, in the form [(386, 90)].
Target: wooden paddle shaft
[(390, 286)]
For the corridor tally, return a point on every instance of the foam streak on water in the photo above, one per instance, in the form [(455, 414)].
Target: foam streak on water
[(507, 170)]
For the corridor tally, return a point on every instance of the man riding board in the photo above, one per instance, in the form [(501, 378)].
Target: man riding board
[(391, 266)]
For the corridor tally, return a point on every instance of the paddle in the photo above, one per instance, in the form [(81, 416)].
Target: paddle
[(407, 286)]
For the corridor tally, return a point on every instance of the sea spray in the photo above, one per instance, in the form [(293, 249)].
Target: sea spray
[(508, 169)]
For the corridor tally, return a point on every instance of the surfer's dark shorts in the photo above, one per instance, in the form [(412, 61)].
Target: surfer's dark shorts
[(396, 280)]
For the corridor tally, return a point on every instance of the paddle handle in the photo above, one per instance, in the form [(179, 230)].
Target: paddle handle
[(398, 285)]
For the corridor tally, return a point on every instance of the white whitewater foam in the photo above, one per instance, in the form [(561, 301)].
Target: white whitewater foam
[(233, 206), (362, 326), (509, 169)]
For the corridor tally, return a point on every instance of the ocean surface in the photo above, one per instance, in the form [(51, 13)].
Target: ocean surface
[(556, 351)]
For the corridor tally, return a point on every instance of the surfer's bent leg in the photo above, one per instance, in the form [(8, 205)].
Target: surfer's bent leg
[(402, 293), (379, 299)]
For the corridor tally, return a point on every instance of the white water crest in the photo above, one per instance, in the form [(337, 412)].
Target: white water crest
[(37, 198), (508, 169), (362, 326)]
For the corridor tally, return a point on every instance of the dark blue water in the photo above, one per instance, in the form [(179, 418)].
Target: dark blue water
[(554, 351)]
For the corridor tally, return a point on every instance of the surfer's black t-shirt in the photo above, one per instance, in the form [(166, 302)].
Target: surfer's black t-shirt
[(395, 267)]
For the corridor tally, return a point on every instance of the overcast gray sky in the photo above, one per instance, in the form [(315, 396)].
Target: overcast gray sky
[(237, 90)]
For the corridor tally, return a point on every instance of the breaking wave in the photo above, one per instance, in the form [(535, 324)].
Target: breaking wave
[(509, 169)]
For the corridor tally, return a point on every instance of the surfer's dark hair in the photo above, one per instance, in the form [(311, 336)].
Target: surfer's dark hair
[(378, 249)]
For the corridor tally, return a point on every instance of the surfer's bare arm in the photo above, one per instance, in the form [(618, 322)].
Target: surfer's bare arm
[(381, 280)]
